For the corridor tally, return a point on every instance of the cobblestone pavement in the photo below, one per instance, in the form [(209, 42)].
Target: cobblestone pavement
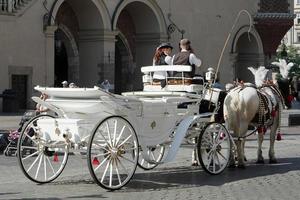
[(175, 180)]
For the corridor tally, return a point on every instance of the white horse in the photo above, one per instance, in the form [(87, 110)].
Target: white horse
[(243, 103)]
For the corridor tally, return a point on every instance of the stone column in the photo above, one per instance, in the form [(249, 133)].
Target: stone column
[(96, 51), (50, 55)]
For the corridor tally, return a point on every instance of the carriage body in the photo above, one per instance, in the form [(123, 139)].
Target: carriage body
[(153, 115), (124, 130)]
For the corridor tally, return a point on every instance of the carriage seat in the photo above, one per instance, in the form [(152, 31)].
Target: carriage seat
[(178, 83)]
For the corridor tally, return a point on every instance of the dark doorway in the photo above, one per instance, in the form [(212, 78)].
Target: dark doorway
[(61, 61), (122, 72), (19, 86)]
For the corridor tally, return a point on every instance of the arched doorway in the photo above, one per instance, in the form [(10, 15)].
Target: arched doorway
[(123, 66), (61, 59), (142, 26), (81, 30)]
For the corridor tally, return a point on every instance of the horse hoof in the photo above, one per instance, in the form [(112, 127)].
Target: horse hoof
[(260, 162), (240, 166), (272, 161), (195, 163)]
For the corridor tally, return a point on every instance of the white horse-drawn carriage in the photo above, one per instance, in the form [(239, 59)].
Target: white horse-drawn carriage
[(121, 132)]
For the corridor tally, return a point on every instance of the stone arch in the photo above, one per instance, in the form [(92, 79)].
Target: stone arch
[(143, 25), (248, 51), (149, 3), (102, 9), (88, 22)]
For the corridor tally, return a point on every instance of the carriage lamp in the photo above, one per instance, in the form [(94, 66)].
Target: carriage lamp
[(210, 75)]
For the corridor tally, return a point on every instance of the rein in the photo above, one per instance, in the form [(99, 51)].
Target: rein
[(245, 136)]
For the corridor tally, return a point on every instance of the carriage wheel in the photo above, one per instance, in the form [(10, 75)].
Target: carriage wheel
[(156, 153), (40, 161), (113, 153), (214, 148)]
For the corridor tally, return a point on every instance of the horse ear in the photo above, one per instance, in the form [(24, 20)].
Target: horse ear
[(252, 70), (290, 65)]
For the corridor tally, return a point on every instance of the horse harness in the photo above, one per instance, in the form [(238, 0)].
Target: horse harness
[(267, 108)]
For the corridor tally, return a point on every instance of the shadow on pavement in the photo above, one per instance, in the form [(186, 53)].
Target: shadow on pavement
[(186, 177)]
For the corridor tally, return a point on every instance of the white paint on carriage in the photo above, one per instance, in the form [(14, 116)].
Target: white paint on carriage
[(56, 130), (153, 113), (82, 93), (162, 68)]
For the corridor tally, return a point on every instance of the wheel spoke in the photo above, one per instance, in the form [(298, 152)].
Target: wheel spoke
[(102, 154), (31, 139), (209, 159), (214, 163), (45, 167), (152, 155), (34, 162), (115, 132), (124, 168), (108, 133), (120, 135), (110, 173), (51, 166), (29, 147), (218, 160), (142, 162), (99, 131), (130, 149), (127, 159), (39, 165), (118, 174), (103, 161), (29, 156), (125, 140), (222, 156), (105, 171)]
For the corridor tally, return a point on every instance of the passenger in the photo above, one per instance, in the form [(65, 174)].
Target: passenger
[(186, 56), (162, 56)]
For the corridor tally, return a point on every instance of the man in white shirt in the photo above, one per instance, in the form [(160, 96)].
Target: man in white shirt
[(186, 57)]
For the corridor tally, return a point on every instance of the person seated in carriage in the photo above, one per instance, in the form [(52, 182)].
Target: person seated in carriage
[(162, 56), (186, 56)]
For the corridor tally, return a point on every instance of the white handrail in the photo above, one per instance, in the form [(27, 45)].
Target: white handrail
[(163, 68)]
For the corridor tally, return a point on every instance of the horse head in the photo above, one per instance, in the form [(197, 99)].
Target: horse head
[(284, 67), (284, 83), (260, 75)]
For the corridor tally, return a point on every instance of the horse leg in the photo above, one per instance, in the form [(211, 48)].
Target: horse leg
[(233, 156), (240, 154), (194, 154), (272, 158), (260, 139), (243, 147)]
